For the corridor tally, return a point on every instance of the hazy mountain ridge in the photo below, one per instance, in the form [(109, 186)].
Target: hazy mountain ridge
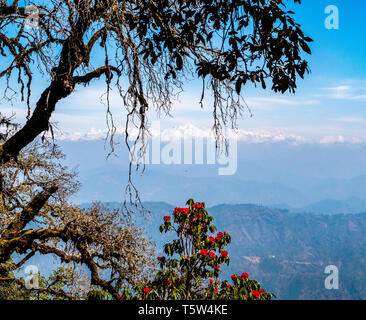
[(270, 174), (331, 196), (286, 250), (329, 206)]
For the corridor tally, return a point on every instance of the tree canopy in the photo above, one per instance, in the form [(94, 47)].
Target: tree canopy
[(146, 49), (38, 217)]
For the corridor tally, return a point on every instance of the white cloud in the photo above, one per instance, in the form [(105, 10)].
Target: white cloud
[(92, 134), (339, 88), (340, 139), (359, 98), (351, 119), (346, 92), (190, 131), (270, 102)]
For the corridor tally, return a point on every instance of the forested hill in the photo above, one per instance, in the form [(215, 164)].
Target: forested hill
[(287, 252)]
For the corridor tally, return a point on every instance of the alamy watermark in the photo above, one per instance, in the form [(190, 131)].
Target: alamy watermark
[(332, 280), (31, 16), (32, 19), (31, 281), (187, 150), (332, 20)]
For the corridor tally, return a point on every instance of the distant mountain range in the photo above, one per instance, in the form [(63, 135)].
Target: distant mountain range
[(311, 178), (287, 252), (306, 212), (329, 196), (329, 206)]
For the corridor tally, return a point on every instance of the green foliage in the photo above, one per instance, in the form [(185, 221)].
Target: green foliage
[(10, 287), (98, 295)]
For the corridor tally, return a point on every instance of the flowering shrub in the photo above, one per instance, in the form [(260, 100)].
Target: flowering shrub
[(194, 260)]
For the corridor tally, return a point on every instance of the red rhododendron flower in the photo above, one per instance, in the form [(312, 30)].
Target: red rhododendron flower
[(199, 216), (203, 252), (181, 210), (256, 293), (215, 290), (245, 275), (220, 235), (212, 239), (212, 254), (147, 290), (161, 258), (217, 267), (233, 276), (166, 218), (169, 281), (211, 281), (224, 253), (229, 286)]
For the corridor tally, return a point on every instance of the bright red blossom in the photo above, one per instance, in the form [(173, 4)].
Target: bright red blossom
[(217, 267), (166, 218), (215, 290), (211, 281), (211, 239), (224, 253), (256, 293), (198, 206), (212, 254), (181, 210), (203, 252), (245, 275), (220, 235), (233, 276), (147, 290)]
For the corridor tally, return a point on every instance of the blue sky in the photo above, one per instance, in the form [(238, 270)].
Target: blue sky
[(329, 104)]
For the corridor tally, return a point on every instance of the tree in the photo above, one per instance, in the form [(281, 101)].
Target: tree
[(64, 283), (10, 288), (153, 45), (194, 261), (38, 217)]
